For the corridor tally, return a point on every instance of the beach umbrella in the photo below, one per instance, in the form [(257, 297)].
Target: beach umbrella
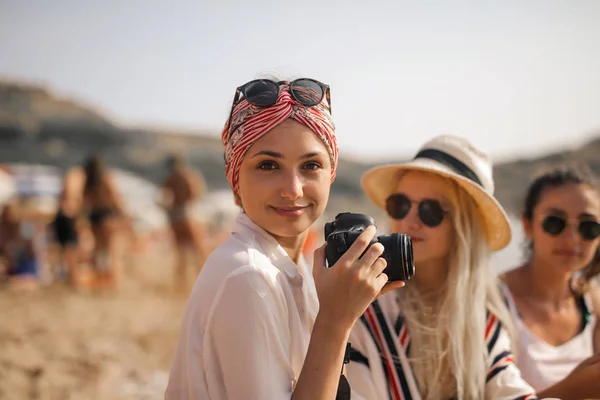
[(37, 185), (36, 180)]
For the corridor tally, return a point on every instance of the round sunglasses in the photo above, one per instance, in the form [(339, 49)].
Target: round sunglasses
[(265, 92), (430, 211), (555, 225)]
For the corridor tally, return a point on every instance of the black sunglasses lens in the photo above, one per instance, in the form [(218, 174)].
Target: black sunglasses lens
[(397, 206), (262, 93), (431, 213), (553, 225), (589, 230), (307, 92)]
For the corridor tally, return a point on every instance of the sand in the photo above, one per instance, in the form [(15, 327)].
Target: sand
[(59, 344)]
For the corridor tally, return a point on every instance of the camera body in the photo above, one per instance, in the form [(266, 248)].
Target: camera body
[(341, 233)]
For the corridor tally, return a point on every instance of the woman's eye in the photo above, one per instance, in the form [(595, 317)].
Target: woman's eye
[(312, 166), (267, 165)]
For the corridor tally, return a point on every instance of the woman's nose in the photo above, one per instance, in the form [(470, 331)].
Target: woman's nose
[(412, 219), (571, 234), (291, 187)]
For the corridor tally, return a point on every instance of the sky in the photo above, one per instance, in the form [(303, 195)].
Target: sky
[(518, 78)]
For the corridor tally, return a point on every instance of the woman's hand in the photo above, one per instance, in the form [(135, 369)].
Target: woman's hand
[(346, 289), (582, 383), (587, 374)]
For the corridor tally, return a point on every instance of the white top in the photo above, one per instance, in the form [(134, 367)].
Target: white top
[(247, 324), (370, 382), (542, 364)]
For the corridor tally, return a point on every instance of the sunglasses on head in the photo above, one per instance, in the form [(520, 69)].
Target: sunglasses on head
[(554, 225), (265, 92), (430, 211)]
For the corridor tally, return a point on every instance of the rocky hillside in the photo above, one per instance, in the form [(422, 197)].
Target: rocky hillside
[(38, 126)]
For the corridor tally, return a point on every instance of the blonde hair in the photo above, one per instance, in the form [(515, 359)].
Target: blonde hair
[(448, 332)]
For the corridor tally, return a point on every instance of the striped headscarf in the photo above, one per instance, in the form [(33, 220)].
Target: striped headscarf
[(249, 123)]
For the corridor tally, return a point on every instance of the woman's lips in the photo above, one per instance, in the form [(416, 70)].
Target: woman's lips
[(290, 211), (415, 238), (566, 253)]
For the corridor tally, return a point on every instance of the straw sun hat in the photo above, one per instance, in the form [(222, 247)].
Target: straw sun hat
[(454, 158)]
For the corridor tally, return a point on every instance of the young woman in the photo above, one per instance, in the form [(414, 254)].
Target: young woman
[(445, 335), (256, 325), (551, 297), (108, 220), (182, 188)]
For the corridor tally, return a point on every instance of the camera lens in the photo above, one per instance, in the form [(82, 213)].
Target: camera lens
[(398, 253)]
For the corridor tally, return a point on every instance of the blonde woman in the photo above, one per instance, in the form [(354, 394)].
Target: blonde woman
[(445, 335)]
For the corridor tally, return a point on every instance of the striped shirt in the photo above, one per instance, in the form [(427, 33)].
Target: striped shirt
[(380, 369)]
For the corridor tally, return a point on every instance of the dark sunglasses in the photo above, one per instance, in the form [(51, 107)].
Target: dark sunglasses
[(554, 225), (430, 211), (265, 92)]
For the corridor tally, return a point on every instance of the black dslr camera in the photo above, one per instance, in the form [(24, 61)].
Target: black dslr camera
[(345, 229)]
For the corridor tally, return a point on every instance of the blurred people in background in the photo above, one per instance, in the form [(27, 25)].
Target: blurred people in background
[(64, 226), (108, 220), (181, 190), (551, 297), (18, 253), (9, 233)]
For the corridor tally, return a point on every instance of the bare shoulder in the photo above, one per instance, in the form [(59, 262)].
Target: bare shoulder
[(74, 173), (109, 181), (168, 181), (74, 178), (594, 294), (514, 280), (193, 175)]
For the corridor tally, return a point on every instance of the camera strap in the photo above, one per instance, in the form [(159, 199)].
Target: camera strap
[(344, 391)]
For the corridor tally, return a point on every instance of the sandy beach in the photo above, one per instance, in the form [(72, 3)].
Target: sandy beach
[(59, 344)]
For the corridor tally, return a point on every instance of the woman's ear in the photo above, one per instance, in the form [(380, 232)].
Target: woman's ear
[(238, 200)]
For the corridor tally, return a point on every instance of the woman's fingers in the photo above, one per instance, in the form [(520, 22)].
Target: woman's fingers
[(388, 287), (378, 266), (358, 247), (371, 257)]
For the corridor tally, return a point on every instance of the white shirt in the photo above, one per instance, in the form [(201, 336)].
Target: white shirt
[(542, 364), (247, 325), (370, 382)]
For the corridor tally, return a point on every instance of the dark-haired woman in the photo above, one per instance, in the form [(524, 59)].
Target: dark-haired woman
[(108, 221), (551, 297)]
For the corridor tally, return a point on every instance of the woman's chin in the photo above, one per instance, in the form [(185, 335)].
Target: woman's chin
[(290, 229)]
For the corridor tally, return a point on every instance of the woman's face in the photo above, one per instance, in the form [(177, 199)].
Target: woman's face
[(427, 194), (565, 249), (284, 180)]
